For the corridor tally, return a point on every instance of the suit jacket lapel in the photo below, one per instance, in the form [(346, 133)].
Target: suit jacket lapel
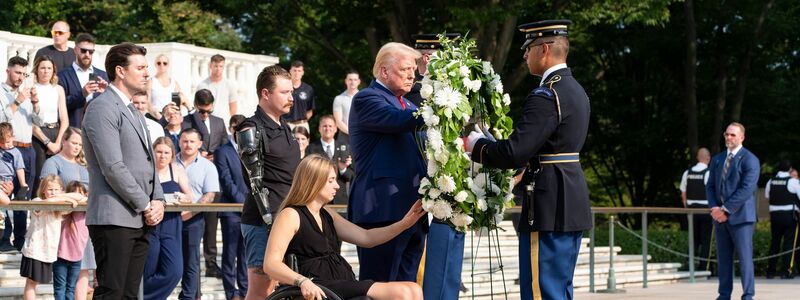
[(136, 123), (390, 97)]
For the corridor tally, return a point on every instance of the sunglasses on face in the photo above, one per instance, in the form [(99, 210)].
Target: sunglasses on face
[(84, 51), (162, 63), (58, 32), (203, 111)]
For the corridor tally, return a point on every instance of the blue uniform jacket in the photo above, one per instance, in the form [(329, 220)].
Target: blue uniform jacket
[(73, 91), (231, 178), (386, 155), (740, 185)]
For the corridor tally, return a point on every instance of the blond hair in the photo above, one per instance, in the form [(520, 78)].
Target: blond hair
[(309, 179), (390, 53)]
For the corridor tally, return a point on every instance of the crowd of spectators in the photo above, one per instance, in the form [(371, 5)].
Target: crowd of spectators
[(195, 156)]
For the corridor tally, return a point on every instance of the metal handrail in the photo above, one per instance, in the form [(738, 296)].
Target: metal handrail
[(235, 207)]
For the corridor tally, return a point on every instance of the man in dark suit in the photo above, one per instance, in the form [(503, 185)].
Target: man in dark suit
[(389, 163), (82, 82), (212, 128), (337, 151), (213, 134), (731, 196), (126, 194), (547, 138), (234, 190)]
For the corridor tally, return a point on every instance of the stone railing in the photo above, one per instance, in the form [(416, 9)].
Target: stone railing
[(188, 63)]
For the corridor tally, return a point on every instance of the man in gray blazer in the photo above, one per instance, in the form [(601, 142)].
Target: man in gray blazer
[(125, 196)]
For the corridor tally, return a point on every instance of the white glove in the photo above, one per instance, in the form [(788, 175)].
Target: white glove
[(473, 138), (488, 135)]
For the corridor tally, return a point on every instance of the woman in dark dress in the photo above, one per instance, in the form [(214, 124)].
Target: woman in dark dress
[(311, 231)]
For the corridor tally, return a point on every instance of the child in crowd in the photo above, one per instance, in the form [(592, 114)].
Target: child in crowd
[(74, 236), (41, 241), (12, 164)]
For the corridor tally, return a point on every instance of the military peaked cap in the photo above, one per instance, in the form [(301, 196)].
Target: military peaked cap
[(431, 41), (545, 28)]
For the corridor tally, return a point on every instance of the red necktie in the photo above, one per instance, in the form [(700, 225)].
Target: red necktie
[(402, 103)]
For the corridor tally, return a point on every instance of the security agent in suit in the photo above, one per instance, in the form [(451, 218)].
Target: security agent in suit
[(693, 195), (336, 150), (782, 192), (126, 197), (82, 82), (212, 128), (213, 134), (426, 44), (547, 138), (731, 196), (389, 165)]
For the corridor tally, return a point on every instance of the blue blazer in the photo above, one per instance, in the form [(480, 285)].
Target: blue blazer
[(738, 190), (386, 155), (73, 90), (231, 178)]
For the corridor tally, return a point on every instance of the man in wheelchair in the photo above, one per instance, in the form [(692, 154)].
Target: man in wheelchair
[(307, 229)]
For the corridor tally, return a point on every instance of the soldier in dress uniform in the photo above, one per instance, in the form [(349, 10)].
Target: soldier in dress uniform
[(426, 44), (547, 139), (782, 192), (693, 194)]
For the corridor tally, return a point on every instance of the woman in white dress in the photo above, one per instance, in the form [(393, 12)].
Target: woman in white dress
[(162, 86), (52, 111)]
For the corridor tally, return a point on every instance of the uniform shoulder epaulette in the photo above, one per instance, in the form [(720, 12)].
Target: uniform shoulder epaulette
[(543, 91)]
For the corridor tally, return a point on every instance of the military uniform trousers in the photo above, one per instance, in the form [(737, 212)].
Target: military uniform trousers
[(782, 227), (444, 256), (164, 265), (547, 263), (702, 237)]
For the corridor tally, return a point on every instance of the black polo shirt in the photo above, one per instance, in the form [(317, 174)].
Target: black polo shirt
[(303, 97), (279, 163)]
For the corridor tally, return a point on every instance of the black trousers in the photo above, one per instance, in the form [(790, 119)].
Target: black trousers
[(702, 238), (782, 227), (120, 253)]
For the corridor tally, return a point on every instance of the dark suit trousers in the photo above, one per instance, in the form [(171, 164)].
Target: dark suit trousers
[(396, 260), (782, 227), (120, 253), (738, 238), (210, 242)]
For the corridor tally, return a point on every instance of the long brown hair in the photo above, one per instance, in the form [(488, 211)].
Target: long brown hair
[(81, 157), (309, 179)]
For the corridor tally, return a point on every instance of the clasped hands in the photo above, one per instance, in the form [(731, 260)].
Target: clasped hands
[(718, 215), (154, 214)]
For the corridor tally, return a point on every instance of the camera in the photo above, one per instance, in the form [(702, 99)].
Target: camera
[(92, 77), (342, 152)]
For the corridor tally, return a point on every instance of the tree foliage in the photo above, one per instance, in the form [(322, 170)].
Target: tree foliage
[(630, 55)]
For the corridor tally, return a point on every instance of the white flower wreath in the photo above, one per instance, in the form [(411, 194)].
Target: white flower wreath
[(458, 89)]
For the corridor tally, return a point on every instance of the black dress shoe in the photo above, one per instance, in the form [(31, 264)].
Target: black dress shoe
[(213, 273), (787, 276)]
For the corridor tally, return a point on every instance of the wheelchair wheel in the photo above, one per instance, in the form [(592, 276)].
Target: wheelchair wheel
[(293, 293)]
